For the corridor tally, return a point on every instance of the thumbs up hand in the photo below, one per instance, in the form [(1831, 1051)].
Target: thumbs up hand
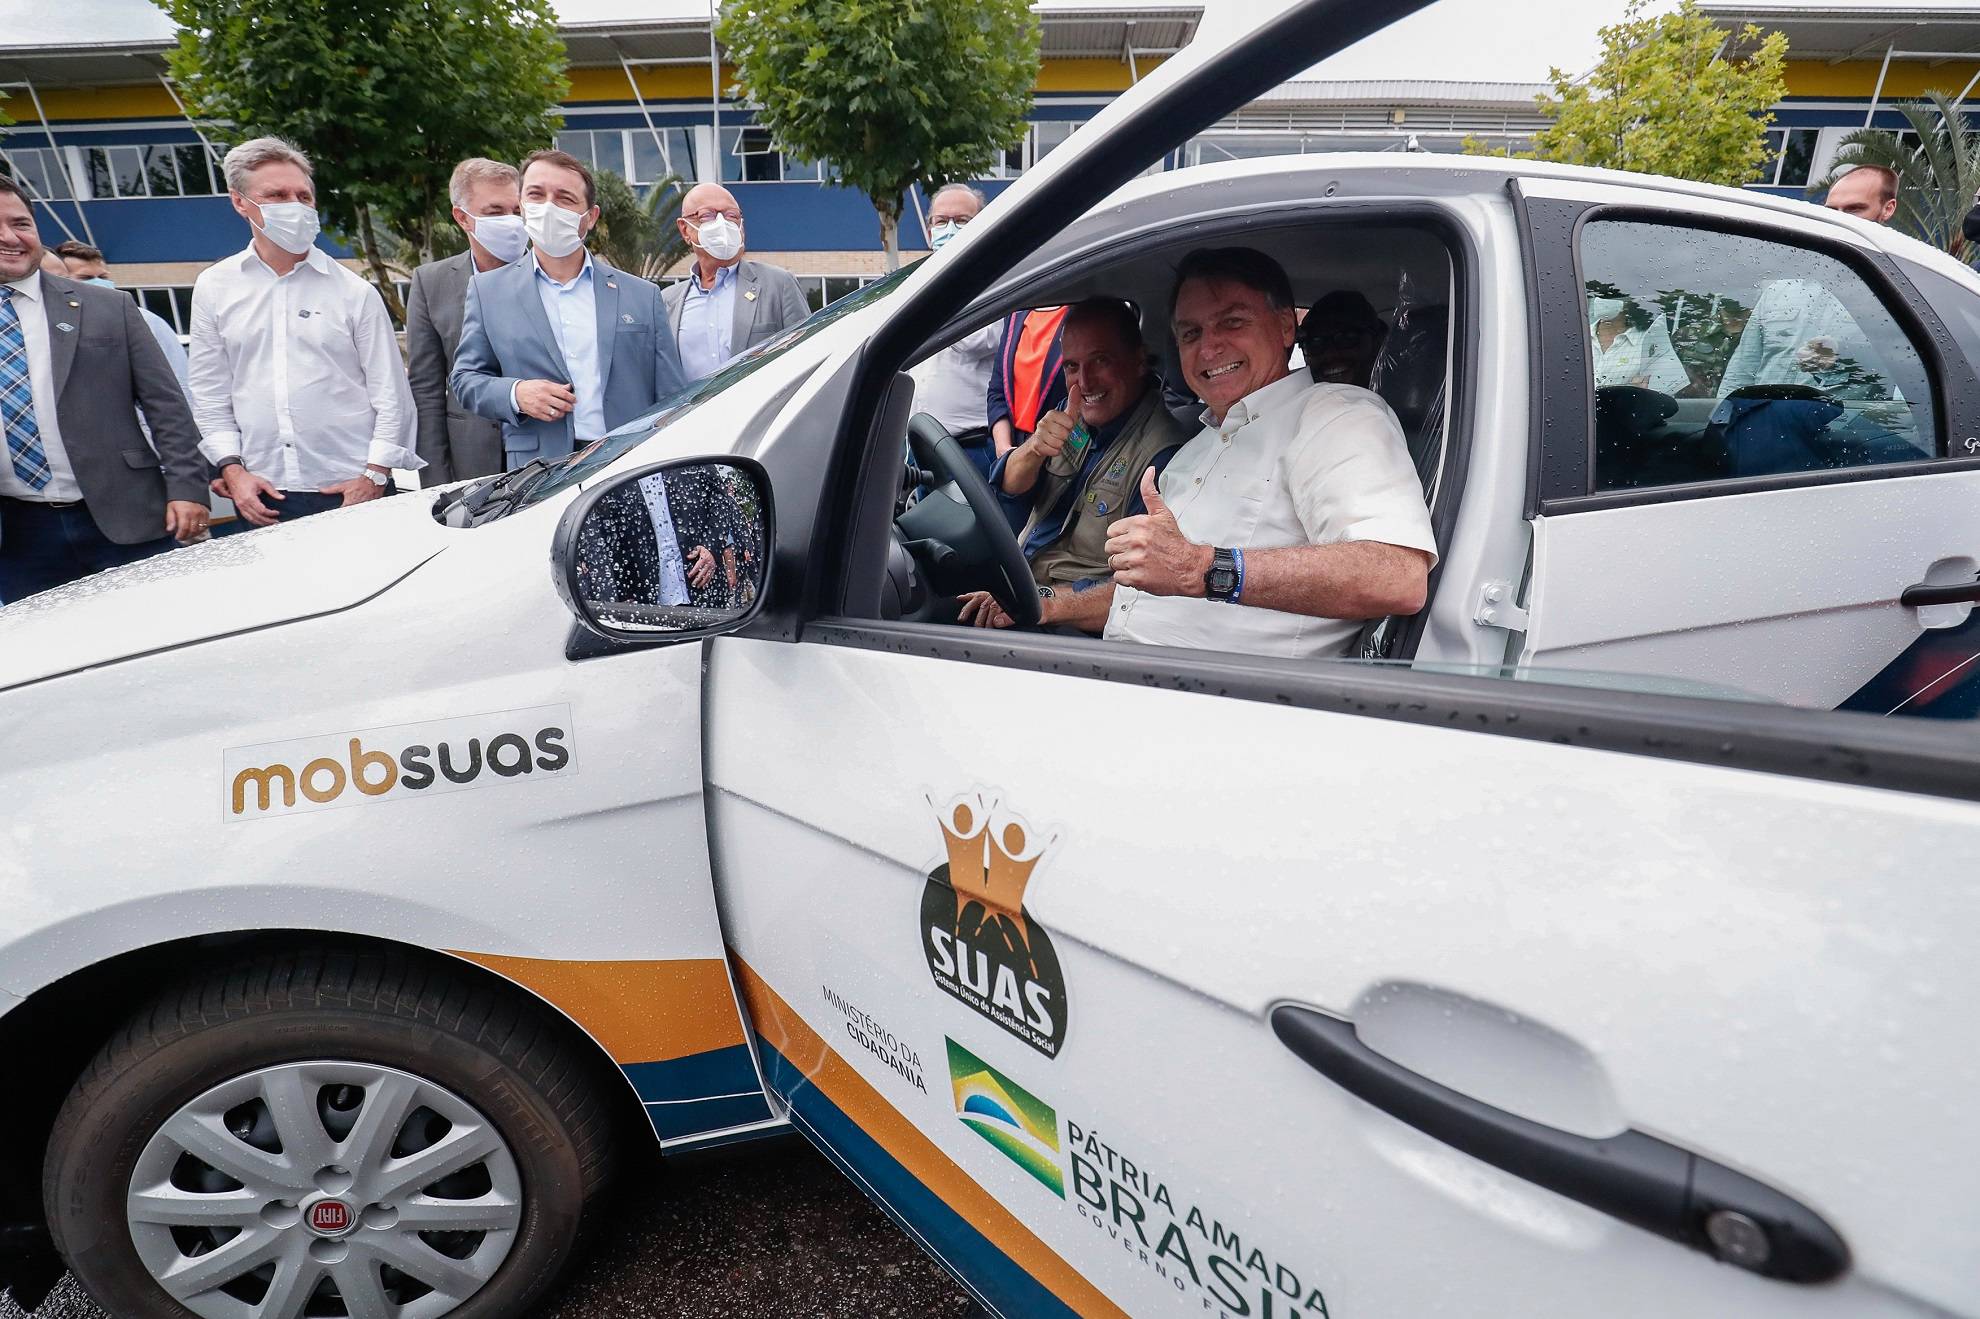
[(1149, 552)]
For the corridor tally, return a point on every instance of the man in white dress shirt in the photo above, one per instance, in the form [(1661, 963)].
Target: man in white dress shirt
[(297, 381), (1295, 513), (950, 386)]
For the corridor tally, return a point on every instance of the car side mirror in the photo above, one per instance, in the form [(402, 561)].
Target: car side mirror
[(673, 552)]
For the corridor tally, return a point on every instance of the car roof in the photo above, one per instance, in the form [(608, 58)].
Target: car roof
[(1424, 173)]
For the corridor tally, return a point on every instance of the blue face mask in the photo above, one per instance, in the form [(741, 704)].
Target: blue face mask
[(104, 280), (942, 233)]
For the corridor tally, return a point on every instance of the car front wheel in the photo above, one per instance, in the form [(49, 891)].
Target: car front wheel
[(326, 1135)]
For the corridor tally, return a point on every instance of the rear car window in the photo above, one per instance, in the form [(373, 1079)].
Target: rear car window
[(1717, 356)]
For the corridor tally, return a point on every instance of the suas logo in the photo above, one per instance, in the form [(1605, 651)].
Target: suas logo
[(982, 946), (1021, 1125), (381, 764)]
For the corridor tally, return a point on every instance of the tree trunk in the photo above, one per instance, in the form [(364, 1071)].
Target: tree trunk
[(890, 235), (381, 278)]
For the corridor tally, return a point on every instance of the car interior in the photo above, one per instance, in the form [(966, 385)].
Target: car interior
[(950, 535)]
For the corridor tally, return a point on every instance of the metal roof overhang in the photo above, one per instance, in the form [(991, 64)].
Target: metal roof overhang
[(121, 64), (1838, 33), (1086, 31)]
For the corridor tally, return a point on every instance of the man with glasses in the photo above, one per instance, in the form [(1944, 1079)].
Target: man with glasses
[(726, 305), (951, 385)]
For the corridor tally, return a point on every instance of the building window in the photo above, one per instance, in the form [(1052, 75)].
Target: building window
[(653, 160), (1790, 157), (603, 148), (176, 169), (171, 305), (1039, 139), (749, 157), (821, 291)]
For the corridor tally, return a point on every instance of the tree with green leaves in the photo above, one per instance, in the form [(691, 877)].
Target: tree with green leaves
[(894, 93), (1938, 170), (638, 234), (1669, 97), (384, 96)]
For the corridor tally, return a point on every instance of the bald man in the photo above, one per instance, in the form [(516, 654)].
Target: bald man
[(726, 304), (1868, 192)]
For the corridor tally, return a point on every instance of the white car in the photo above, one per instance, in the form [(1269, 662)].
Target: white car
[(370, 882)]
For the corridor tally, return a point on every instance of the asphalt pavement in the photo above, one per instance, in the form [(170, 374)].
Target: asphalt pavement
[(768, 1229)]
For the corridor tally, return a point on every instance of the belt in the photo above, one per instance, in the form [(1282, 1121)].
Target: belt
[(41, 503)]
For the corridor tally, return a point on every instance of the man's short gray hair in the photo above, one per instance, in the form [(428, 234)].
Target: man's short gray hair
[(250, 156), (945, 189), (479, 169)]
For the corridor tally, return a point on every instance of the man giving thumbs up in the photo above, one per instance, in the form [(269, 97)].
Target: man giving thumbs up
[(1297, 502), (1077, 474)]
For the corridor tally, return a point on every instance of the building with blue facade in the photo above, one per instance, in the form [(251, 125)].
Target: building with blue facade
[(102, 139)]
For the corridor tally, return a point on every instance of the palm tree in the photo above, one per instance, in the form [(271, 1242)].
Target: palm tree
[(638, 234), (1938, 173)]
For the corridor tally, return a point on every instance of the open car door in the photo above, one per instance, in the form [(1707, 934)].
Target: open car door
[(1160, 983)]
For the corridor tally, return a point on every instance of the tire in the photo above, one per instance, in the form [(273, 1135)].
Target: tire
[(368, 1048)]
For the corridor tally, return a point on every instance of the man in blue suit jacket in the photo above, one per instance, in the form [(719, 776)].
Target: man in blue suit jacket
[(560, 347)]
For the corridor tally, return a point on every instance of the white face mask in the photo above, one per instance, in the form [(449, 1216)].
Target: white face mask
[(1603, 309), (501, 236), (554, 230), (291, 226), (721, 237), (942, 232)]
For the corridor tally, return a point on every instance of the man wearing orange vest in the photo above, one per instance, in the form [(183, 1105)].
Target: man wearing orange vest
[(1027, 380)]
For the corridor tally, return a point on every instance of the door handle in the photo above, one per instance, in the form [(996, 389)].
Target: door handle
[(1941, 593), (1640, 1179)]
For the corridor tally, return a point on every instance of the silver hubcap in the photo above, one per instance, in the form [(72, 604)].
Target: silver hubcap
[(324, 1189)]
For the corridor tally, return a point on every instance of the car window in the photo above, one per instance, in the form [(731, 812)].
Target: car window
[(1718, 355)]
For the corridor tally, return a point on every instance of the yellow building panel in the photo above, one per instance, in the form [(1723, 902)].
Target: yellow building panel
[(66, 104), (689, 82), (1110, 75), (662, 82), (1858, 78)]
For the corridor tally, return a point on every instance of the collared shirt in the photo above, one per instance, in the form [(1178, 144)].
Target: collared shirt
[(673, 569), (572, 307), (36, 325), (708, 322), (950, 386), (1644, 358), (1293, 463), (297, 374)]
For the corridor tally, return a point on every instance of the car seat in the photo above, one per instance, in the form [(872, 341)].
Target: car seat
[(1412, 374)]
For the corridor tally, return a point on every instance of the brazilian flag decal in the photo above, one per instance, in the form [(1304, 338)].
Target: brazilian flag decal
[(1007, 1115)]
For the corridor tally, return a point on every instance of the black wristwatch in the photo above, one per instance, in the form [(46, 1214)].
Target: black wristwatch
[(231, 460), (1221, 581)]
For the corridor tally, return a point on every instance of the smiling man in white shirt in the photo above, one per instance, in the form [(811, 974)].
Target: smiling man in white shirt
[(1293, 516), (296, 377)]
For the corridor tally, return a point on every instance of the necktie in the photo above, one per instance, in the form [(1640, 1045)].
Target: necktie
[(17, 399)]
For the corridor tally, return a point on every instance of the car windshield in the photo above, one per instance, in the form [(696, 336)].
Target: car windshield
[(601, 453)]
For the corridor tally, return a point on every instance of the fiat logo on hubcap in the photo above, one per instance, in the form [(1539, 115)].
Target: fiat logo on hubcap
[(329, 1218)]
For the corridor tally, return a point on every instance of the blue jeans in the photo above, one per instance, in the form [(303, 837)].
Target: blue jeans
[(45, 545)]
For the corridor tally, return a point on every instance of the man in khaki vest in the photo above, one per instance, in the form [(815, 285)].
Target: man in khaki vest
[(1080, 471)]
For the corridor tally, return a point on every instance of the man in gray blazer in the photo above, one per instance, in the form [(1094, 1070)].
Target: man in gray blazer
[(81, 489), (456, 444), (560, 347), (726, 304)]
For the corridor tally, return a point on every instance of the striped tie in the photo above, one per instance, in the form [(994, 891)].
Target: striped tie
[(17, 399)]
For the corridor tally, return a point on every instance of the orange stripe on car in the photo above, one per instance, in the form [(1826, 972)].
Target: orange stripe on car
[(638, 1011)]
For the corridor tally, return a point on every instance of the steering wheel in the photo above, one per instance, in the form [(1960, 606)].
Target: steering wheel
[(966, 545)]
